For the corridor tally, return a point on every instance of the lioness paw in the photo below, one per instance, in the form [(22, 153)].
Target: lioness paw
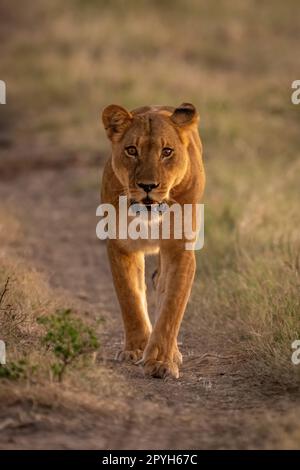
[(160, 369), (129, 355)]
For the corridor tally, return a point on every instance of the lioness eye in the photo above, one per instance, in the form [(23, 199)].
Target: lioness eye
[(131, 151), (166, 152)]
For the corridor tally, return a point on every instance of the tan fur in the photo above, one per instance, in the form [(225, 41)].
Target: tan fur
[(181, 179)]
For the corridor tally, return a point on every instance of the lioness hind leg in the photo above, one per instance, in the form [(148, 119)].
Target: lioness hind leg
[(156, 275), (154, 278)]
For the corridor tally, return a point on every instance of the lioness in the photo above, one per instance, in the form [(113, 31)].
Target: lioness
[(156, 157)]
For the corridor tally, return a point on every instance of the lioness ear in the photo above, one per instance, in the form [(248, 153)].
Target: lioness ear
[(185, 115), (115, 120)]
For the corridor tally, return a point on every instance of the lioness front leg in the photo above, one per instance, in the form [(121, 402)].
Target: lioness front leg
[(129, 280), (161, 357)]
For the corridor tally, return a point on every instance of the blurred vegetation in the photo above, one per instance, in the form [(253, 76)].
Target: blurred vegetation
[(65, 61), (14, 370)]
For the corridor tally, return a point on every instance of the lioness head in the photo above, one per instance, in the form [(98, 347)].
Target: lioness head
[(149, 149)]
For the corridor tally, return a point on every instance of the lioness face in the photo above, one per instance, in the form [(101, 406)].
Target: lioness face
[(149, 151)]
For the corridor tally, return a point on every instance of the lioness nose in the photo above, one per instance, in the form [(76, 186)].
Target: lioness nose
[(148, 187)]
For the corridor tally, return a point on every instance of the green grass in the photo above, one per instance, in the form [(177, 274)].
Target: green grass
[(68, 338)]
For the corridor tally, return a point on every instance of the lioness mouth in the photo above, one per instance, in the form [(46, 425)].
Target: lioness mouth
[(148, 204), (147, 201)]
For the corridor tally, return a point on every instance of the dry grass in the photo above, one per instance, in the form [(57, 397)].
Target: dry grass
[(248, 291)]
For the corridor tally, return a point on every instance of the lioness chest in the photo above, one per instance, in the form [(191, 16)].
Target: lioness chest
[(145, 236)]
